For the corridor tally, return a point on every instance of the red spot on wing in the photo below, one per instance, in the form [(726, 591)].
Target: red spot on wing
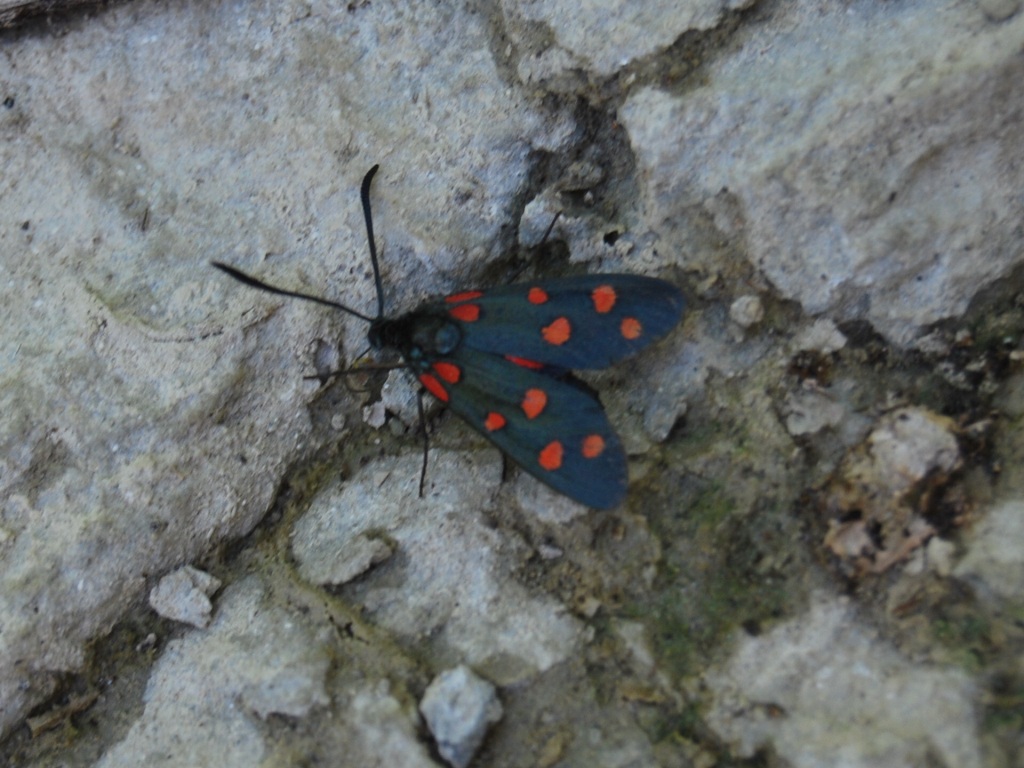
[(467, 313), (604, 298), (593, 446), (494, 421), (458, 298), (534, 402), (631, 328), (558, 332), (433, 386), (537, 295), (550, 456), (449, 372), (522, 361)]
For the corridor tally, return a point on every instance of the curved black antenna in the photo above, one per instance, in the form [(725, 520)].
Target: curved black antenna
[(364, 193), (252, 282)]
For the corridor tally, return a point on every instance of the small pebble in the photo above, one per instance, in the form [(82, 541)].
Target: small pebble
[(459, 707), (747, 311), (810, 412), (822, 336), (375, 415), (184, 596)]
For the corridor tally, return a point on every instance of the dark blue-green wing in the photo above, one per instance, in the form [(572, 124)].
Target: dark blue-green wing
[(556, 430), (589, 321)]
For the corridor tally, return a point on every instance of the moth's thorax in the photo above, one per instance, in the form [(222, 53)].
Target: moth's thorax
[(419, 336)]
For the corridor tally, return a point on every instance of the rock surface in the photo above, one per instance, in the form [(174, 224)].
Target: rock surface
[(835, 186), (844, 698)]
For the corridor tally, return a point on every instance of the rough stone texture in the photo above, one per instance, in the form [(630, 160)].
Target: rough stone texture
[(600, 37), (847, 699), (870, 154), (148, 405), (211, 694), (452, 583), (855, 161), (255, 659)]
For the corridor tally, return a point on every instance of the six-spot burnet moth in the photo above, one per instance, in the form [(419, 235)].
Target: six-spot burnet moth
[(500, 359)]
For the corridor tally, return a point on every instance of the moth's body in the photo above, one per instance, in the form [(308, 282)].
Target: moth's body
[(417, 336), (499, 359)]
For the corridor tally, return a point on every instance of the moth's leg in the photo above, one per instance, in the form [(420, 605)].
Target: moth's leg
[(346, 375), (426, 439), (547, 233)]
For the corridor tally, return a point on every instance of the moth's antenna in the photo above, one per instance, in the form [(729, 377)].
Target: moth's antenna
[(364, 192), (252, 282)]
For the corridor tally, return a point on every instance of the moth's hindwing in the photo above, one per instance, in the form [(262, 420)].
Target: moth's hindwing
[(555, 430), (589, 321)]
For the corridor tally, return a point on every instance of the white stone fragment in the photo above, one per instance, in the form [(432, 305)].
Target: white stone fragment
[(747, 311), (398, 396), (374, 415), (661, 415), (459, 707), (939, 555), (810, 411), (821, 336), (345, 562), (634, 637), (909, 444), (184, 595)]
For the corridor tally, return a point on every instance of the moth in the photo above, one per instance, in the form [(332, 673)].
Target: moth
[(501, 359)]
